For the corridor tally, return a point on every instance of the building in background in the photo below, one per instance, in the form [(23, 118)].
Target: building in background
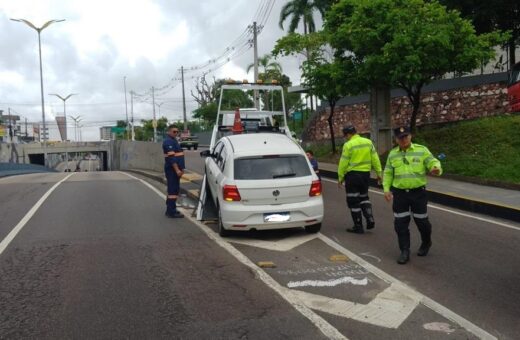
[(106, 133)]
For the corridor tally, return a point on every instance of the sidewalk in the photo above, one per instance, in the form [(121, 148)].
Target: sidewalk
[(498, 202)]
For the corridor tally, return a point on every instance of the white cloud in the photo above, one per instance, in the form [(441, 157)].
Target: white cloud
[(103, 41)]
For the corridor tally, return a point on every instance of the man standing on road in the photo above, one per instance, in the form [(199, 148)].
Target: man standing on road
[(404, 180), (173, 169), (358, 158)]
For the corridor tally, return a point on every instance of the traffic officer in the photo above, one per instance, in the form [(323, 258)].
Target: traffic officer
[(173, 169), (358, 158), (404, 180)]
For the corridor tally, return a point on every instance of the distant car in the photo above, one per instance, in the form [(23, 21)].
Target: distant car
[(262, 181), (189, 142)]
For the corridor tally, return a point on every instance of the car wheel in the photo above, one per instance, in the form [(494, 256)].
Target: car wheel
[(313, 229), (221, 230), (195, 147)]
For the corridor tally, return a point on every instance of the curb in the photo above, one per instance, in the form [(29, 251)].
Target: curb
[(458, 202), (162, 179)]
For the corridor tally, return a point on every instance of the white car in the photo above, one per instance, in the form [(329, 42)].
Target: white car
[(262, 181)]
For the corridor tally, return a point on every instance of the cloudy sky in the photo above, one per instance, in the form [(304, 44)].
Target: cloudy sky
[(147, 41)]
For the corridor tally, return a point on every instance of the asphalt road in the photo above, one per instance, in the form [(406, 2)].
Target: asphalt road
[(472, 268), (96, 258), (99, 260)]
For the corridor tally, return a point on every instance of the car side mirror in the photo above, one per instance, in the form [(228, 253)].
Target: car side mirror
[(205, 153)]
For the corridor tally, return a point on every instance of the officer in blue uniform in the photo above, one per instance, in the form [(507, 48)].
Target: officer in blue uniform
[(173, 169)]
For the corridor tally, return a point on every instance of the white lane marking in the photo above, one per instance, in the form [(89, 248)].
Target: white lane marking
[(439, 327), (435, 306), (367, 254), (328, 283), (10, 237), (326, 328), (280, 245), (294, 297), (450, 211), (389, 309)]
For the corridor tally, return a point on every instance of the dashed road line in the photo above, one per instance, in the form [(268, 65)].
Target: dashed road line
[(10, 237)]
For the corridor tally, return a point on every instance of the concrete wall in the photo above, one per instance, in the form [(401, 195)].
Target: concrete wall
[(442, 101), (136, 155)]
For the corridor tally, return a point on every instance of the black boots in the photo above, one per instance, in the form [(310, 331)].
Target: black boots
[(358, 221), (366, 208), (356, 230), (423, 250), (404, 257)]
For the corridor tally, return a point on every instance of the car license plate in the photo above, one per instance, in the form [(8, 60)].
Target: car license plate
[(277, 217)]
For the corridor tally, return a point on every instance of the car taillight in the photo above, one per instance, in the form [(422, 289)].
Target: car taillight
[(230, 193), (315, 188)]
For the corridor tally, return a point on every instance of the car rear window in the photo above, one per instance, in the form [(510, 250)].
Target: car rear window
[(269, 167)]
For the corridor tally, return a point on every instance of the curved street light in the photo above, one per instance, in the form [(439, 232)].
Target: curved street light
[(76, 120), (64, 99), (39, 30)]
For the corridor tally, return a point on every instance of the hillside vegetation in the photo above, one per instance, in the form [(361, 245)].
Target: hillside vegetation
[(488, 148)]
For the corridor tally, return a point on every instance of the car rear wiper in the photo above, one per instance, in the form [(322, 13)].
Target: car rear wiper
[(285, 175)]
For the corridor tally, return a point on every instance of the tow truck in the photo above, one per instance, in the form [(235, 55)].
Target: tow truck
[(242, 120)]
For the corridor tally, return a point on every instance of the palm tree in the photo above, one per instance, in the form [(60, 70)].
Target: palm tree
[(266, 63), (303, 10)]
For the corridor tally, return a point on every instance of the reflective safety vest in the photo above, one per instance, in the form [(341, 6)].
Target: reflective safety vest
[(359, 154), (407, 169)]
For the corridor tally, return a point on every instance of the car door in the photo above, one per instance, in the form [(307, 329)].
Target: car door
[(212, 170)]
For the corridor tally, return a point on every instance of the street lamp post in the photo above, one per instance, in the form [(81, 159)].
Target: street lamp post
[(39, 30), (64, 99), (76, 120)]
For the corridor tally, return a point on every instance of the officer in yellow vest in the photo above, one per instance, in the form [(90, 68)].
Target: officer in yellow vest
[(357, 159), (404, 180)]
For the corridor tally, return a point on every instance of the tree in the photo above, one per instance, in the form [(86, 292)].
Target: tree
[(302, 10), (406, 43), (209, 98), (267, 65), (145, 133), (327, 76), (488, 16)]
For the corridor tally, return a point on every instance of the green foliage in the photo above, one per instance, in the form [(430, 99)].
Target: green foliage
[(406, 43), (486, 148), (145, 132), (488, 16), (302, 10), (207, 113)]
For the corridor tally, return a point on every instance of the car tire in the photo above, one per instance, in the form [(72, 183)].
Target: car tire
[(313, 229), (221, 230), (188, 147), (195, 147)]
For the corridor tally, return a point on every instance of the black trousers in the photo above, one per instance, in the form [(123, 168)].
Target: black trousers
[(409, 203), (356, 187)]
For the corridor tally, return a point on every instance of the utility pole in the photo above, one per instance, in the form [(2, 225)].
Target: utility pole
[(255, 61), (154, 122), (9, 125), (126, 109), (184, 101), (132, 113)]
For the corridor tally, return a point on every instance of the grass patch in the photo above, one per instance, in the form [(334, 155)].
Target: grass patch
[(487, 148)]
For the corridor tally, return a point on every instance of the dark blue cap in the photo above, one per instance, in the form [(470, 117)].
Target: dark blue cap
[(349, 129), (402, 131)]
